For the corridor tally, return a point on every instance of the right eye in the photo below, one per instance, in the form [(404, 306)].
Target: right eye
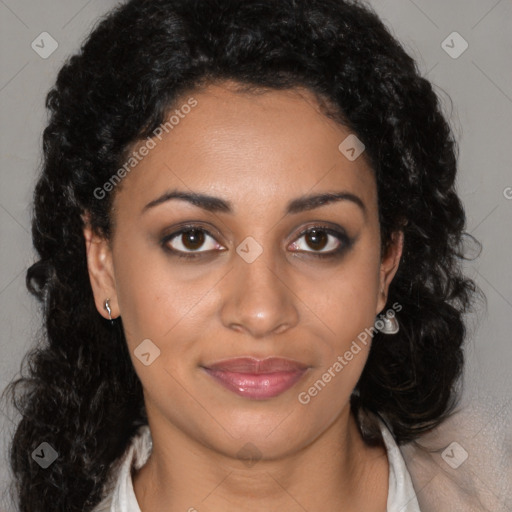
[(186, 242)]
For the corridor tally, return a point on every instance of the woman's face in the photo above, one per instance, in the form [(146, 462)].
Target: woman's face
[(249, 282)]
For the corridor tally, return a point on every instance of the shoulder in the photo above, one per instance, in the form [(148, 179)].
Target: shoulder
[(465, 463)]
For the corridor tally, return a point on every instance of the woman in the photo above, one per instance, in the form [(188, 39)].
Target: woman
[(249, 249)]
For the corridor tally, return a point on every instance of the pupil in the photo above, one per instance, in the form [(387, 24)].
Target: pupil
[(318, 238), (193, 239)]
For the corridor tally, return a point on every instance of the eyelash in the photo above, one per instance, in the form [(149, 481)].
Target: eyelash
[(345, 241)]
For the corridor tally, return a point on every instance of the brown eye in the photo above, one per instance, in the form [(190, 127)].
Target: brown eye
[(322, 242), (317, 239), (193, 239), (188, 241)]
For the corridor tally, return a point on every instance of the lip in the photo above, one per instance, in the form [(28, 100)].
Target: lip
[(254, 365), (255, 378)]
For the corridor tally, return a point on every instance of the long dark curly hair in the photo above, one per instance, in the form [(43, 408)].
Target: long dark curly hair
[(80, 392)]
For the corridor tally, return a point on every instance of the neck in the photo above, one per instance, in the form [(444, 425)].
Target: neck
[(338, 471)]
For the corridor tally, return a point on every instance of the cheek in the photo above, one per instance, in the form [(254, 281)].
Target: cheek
[(347, 299), (346, 304), (348, 309), (328, 390), (151, 297)]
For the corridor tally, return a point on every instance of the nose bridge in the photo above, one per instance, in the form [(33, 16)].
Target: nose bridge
[(258, 299)]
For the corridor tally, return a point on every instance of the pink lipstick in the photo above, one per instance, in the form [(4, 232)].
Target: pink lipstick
[(257, 379)]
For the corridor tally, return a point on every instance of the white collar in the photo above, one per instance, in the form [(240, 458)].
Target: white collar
[(401, 494)]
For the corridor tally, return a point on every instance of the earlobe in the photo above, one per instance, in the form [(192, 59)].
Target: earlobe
[(389, 266), (101, 272)]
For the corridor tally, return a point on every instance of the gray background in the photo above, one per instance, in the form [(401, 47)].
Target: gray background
[(478, 82)]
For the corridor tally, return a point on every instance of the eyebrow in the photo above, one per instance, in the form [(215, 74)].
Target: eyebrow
[(216, 204)]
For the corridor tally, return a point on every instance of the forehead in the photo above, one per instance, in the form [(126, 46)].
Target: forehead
[(248, 147)]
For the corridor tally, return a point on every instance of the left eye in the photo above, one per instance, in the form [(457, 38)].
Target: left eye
[(320, 240)]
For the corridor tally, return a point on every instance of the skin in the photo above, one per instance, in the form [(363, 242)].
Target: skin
[(258, 152)]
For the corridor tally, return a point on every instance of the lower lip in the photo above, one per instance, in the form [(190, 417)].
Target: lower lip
[(257, 386)]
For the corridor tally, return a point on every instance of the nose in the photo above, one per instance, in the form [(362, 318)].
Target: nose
[(258, 298)]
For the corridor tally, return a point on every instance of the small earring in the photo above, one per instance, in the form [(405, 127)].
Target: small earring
[(391, 325), (107, 307)]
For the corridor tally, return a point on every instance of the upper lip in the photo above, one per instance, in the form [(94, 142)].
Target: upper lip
[(253, 365)]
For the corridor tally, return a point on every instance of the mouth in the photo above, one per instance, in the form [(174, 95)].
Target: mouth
[(257, 379)]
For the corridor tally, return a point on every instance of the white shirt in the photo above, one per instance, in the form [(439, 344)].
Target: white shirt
[(121, 497)]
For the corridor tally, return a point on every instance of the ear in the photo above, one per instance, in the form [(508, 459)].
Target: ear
[(101, 270), (388, 267)]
